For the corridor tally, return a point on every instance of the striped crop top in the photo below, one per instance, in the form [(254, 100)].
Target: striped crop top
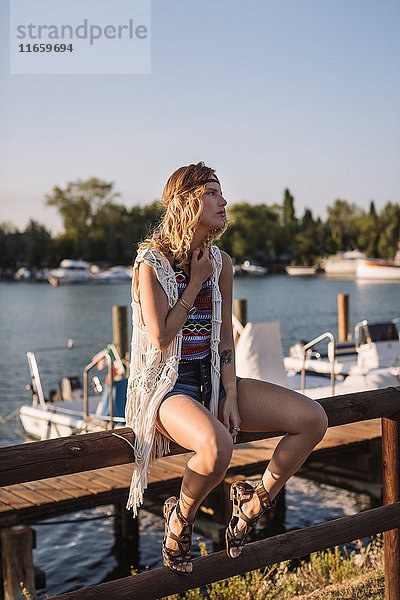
[(196, 332)]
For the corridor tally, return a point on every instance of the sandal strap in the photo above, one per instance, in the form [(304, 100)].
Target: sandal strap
[(263, 496), (183, 540), (183, 520)]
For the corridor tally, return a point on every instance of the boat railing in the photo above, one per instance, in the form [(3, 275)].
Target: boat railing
[(103, 355), (357, 332), (307, 347), (364, 323), (36, 386)]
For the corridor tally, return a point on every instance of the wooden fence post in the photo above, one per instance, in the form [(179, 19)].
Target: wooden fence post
[(391, 493), (343, 317), (18, 572), (126, 532), (120, 330), (240, 310)]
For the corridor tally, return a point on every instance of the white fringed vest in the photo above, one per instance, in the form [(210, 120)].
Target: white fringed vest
[(153, 372)]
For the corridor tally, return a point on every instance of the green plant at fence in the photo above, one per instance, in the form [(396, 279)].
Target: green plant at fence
[(283, 581)]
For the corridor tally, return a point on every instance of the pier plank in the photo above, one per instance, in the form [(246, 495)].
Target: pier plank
[(16, 502), (69, 489), (31, 496), (92, 485), (53, 494)]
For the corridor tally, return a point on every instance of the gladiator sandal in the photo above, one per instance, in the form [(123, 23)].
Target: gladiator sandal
[(241, 492), (174, 558)]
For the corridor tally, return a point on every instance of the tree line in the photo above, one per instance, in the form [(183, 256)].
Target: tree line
[(98, 228)]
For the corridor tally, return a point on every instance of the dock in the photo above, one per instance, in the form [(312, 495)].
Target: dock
[(25, 503)]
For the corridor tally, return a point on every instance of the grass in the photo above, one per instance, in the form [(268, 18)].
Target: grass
[(327, 575)]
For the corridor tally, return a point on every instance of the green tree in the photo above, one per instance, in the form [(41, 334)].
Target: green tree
[(389, 223), (344, 224), (309, 240), (289, 223), (37, 245), (11, 246), (368, 237), (255, 232), (78, 205)]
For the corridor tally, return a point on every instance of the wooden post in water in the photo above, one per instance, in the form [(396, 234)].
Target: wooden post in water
[(18, 572), (240, 310), (343, 317), (126, 531), (391, 493), (120, 331)]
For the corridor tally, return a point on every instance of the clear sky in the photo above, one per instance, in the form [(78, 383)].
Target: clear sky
[(301, 94)]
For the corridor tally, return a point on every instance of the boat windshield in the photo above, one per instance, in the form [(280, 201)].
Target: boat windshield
[(379, 332)]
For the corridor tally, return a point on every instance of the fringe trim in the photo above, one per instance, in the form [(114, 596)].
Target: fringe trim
[(142, 405)]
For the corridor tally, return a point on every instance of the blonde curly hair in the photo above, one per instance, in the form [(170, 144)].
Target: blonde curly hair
[(182, 197)]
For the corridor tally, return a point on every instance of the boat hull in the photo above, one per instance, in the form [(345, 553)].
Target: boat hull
[(300, 270), (377, 270)]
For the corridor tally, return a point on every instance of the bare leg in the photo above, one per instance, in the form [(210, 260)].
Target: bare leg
[(267, 407), (192, 426)]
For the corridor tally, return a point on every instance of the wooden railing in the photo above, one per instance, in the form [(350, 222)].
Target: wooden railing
[(63, 456)]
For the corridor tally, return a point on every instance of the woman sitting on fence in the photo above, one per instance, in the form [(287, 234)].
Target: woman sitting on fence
[(182, 384)]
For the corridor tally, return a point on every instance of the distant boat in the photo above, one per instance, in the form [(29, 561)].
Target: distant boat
[(252, 269), (70, 271), (113, 275), (24, 274), (343, 263), (300, 270), (377, 269)]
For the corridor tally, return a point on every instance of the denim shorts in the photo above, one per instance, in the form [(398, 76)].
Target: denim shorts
[(194, 380)]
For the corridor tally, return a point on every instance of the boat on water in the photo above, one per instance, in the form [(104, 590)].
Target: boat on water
[(374, 345), (342, 263), (374, 364), (114, 275), (70, 272), (300, 270), (378, 269), (253, 269), (71, 409)]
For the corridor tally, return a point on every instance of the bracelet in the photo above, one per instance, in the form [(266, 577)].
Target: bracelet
[(189, 309)]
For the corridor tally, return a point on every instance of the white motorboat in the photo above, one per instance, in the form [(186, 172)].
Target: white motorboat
[(377, 269), (342, 263), (113, 275), (375, 345), (377, 364), (300, 270), (71, 409), (70, 271), (252, 269)]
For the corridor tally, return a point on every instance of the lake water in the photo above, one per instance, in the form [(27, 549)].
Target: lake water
[(38, 316)]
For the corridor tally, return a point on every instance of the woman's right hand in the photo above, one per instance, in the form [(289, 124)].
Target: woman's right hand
[(200, 266)]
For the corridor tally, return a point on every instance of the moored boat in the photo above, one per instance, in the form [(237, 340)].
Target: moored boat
[(374, 345), (70, 272), (377, 269), (375, 364), (113, 275), (342, 263), (71, 409), (253, 269), (300, 270)]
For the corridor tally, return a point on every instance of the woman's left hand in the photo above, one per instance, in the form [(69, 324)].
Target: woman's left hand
[(230, 416)]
